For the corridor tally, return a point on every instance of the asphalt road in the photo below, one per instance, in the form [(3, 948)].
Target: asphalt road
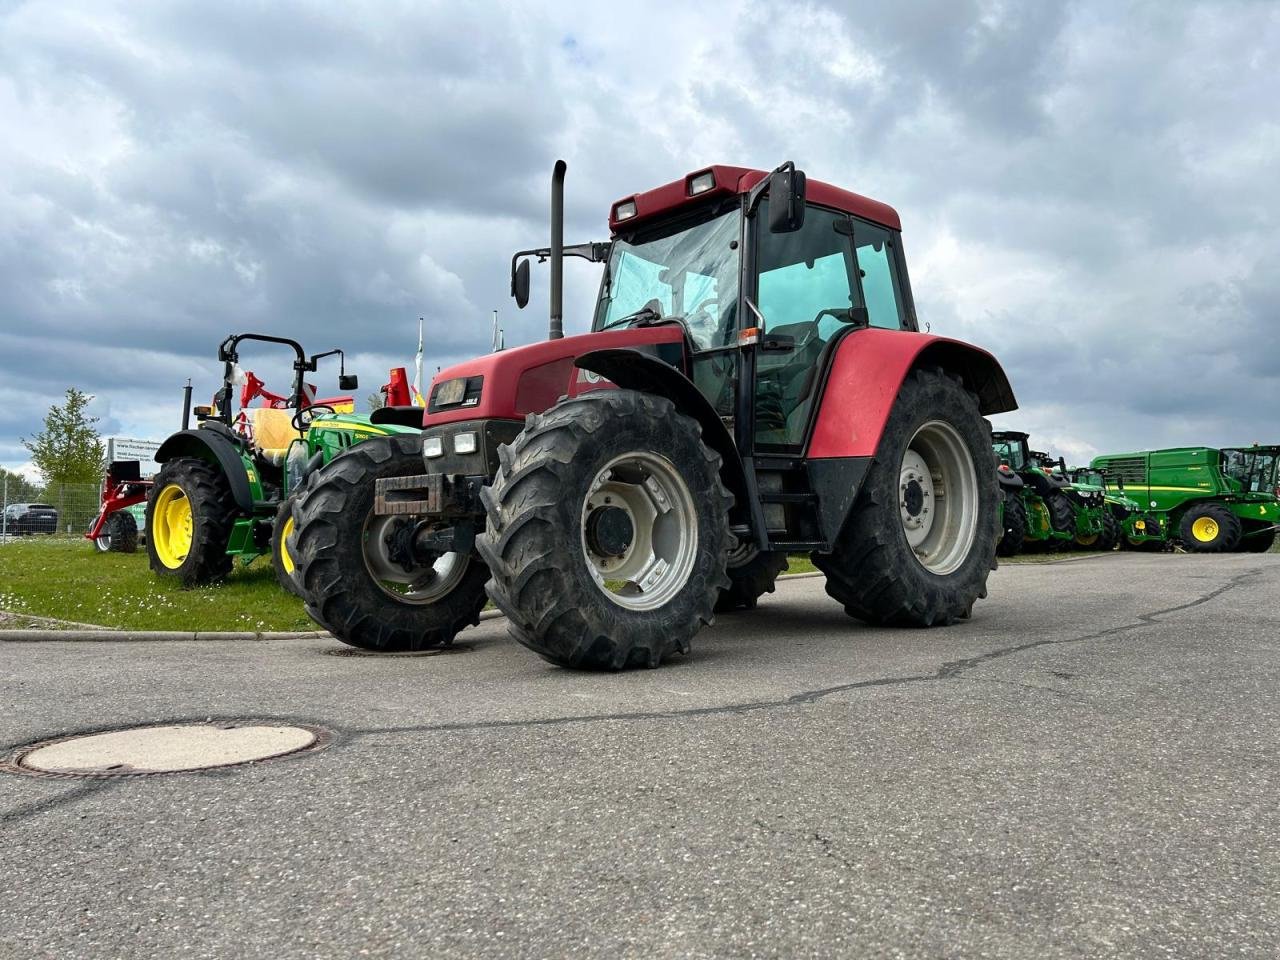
[(1086, 769)]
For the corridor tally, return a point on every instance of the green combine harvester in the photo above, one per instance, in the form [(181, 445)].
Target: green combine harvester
[(225, 489), (1205, 499), (1043, 509)]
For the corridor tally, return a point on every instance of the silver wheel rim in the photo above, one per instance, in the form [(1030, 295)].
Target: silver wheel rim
[(659, 557), (938, 497), (103, 543), (420, 585)]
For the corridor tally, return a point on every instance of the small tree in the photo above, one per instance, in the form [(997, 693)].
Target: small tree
[(68, 449), (21, 490)]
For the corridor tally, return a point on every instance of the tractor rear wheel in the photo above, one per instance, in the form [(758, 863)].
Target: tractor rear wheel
[(1014, 533), (752, 574), (190, 512), (119, 534), (920, 539), (281, 559), (1210, 528), (358, 577), (607, 531), (1062, 519)]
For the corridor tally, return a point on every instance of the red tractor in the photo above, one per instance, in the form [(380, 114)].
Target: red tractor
[(755, 384)]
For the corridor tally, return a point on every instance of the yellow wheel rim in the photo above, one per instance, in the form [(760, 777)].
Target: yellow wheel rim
[(1088, 541), (286, 559), (173, 526), (1205, 529)]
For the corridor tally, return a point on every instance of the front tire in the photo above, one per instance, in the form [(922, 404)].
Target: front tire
[(1014, 535), (190, 512), (607, 532), (920, 539), (353, 582), (119, 534), (751, 577), (1210, 528)]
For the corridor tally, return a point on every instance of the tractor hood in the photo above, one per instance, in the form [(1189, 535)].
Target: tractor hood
[(514, 383)]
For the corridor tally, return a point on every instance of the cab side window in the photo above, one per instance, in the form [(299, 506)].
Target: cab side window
[(877, 259)]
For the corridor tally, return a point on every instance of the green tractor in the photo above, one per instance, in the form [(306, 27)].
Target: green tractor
[(1044, 510), (1207, 500), (1136, 528), (225, 489)]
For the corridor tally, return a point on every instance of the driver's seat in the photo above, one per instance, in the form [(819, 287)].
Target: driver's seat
[(273, 432)]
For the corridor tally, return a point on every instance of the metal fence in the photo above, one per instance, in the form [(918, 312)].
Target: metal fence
[(77, 505)]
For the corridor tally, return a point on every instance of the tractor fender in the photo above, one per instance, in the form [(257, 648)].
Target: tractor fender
[(1009, 480), (633, 370), (867, 372), (217, 449)]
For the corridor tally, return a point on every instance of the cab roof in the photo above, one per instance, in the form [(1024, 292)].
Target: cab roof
[(672, 196)]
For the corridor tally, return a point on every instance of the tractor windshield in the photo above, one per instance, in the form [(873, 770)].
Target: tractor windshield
[(1254, 469), (689, 273), (1010, 451)]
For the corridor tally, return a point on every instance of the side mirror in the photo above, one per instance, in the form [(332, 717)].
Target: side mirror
[(520, 284), (348, 381), (786, 199)]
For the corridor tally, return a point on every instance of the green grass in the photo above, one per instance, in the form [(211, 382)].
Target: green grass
[(68, 580)]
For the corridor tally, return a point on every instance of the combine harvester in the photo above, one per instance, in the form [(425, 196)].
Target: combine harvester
[(1206, 500), (754, 384)]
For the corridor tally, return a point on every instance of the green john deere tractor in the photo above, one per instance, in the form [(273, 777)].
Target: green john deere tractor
[(225, 489), (1048, 510), (1135, 527), (1208, 500)]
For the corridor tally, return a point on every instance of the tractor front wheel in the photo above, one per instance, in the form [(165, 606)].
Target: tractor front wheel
[(1104, 540), (1014, 534), (189, 516), (752, 574), (358, 577), (1210, 528), (607, 532), (920, 539)]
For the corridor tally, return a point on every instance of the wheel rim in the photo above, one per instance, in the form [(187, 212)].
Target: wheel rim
[(286, 558), (639, 530), (103, 543), (174, 526), (1205, 529), (421, 583), (938, 497)]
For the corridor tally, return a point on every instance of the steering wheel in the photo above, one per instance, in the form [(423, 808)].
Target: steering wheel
[(305, 416)]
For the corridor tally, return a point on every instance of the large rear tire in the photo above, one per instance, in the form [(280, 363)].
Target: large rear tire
[(190, 512), (751, 577), (920, 540), (607, 532), (1014, 535), (1210, 528), (281, 557), (352, 579)]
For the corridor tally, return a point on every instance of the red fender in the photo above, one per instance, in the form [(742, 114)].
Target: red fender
[(867, 373)]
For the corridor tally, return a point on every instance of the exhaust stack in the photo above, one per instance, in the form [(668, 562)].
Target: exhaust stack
[(556, 331)]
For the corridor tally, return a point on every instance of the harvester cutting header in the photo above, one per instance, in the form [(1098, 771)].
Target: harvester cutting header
[(754, 383)]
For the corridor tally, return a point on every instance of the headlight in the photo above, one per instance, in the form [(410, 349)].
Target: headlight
[(625, 210), (432, 446), (464, 443), (701, 183)]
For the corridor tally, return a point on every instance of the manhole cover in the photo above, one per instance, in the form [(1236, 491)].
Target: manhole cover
[(405, 654), (168, 748)]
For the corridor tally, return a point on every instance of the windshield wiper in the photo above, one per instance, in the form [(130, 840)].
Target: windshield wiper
[(646, 314)]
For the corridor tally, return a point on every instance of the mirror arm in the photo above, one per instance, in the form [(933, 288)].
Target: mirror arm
[(753, 198)]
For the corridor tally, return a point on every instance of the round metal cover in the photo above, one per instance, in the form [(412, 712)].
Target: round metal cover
[(168, 748)]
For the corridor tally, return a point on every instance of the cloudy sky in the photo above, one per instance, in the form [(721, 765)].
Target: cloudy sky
[(1087, 189)]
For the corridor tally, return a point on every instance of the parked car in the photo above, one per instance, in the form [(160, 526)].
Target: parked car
[(24, 518)]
